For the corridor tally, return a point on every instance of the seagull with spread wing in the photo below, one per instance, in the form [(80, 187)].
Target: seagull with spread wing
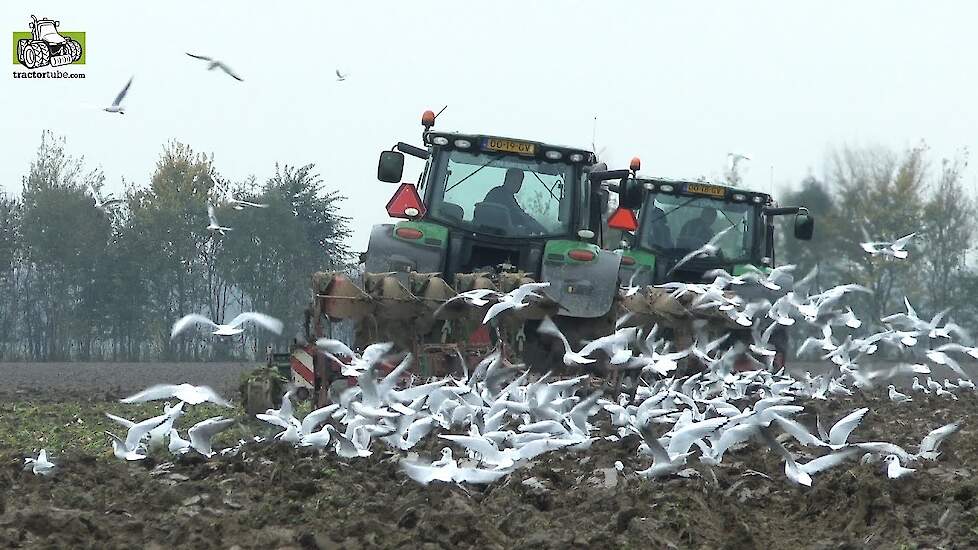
[(236, 326), (215, 64), (116, 106)]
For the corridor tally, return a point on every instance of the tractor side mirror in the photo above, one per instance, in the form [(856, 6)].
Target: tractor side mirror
[(391, 166), (598, 176), (630, 194), (804, 226)]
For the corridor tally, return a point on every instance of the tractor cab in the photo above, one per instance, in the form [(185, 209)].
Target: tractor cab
[(47, 30), (494, 204), (679, 217), (488, 201)]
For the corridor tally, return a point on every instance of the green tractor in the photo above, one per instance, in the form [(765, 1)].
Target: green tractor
[(487, 212), (47, 46), (678, 217)]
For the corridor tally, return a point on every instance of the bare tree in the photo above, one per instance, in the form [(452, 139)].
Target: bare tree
[(948, 228)]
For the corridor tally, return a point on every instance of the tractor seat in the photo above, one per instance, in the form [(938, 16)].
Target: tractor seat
[(451, 211), (492, 215)]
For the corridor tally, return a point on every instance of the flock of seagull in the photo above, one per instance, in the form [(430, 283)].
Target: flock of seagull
[(499, 417)]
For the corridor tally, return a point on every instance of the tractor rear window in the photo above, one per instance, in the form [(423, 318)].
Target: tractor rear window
[(502, 194)]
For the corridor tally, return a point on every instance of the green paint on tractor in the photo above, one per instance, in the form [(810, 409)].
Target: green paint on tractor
[(432, 233)]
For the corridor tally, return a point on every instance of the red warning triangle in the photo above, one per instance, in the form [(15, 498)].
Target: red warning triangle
[(406, 197), (623, 219)]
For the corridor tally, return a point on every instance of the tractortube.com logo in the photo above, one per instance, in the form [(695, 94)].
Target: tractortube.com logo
[(46, 45)]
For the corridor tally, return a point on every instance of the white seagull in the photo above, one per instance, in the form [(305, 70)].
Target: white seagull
[(231, 329), (240, 204), (514, 300), (195, 395), (202, 432), (893, 468), (898, 397), (570, 358), (215, 64), (116, 106), (893, 249), (41, 466), (213, 225)]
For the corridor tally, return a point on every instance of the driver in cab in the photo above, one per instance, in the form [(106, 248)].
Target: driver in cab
[(505, 196), (698, 231)]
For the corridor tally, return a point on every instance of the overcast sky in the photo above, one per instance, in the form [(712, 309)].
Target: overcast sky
[(680, 84)]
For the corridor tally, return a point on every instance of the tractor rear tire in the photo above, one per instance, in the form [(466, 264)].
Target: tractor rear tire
[(73, 49), (22, 46), (36, 54)]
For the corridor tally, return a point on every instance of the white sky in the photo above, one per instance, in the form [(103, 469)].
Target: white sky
[(680, 84)]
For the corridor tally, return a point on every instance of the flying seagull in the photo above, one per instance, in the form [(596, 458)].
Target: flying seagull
[(240, 205), (893, 249), (340, 77), (234, 327), (215, 64), (212, 218), (733, 159), (116, 106), (195, 395)]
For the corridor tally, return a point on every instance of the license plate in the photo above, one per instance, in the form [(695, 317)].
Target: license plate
[(710, 190), (510, 146)]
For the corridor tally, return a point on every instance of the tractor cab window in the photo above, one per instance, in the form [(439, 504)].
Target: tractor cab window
[(676, 225), (502, 194)]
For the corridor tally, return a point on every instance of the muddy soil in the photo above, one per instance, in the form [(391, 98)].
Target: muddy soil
[(55, 381), (271, 496)]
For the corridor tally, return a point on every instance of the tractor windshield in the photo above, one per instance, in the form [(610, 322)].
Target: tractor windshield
[(502, 194), (676, 225)]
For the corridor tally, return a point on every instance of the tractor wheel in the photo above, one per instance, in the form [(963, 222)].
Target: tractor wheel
[(36, 55), (22, 45), (72, 48)]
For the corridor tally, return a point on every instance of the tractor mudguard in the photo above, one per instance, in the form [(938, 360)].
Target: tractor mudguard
[(387, 252), (584, 289), (641, 272)]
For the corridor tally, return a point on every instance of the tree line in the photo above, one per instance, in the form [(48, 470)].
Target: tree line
[(82, 278), (876, 194), (87, 277)]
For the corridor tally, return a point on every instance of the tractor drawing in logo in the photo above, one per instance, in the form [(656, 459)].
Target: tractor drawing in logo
[(46, 46)]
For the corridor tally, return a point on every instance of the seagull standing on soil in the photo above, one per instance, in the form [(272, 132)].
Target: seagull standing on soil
[(177, 445), (202, 432), (215, 64), (898, 397), (116, 106), (41, 466), (233, 328), (893, 468)]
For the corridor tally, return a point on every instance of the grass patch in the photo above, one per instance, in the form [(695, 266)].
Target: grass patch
[(27, 426)]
